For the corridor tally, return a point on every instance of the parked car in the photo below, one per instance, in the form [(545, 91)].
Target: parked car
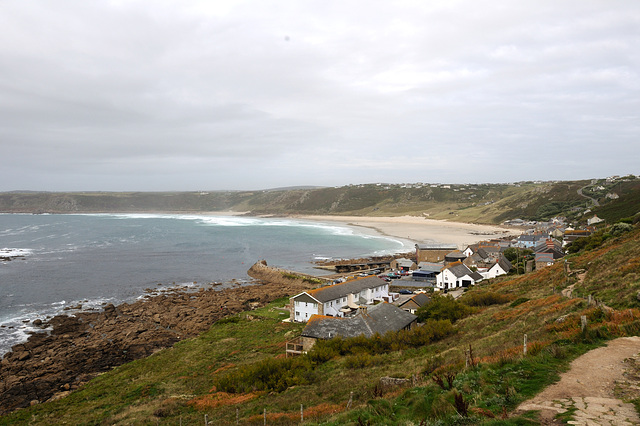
[(405, 291)]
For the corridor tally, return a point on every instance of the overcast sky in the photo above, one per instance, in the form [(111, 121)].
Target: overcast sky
[(204, 95)]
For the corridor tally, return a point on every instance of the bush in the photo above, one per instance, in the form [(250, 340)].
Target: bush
[(620, 228), (268, 375), (444, 308), (484, 298), (359, 361)]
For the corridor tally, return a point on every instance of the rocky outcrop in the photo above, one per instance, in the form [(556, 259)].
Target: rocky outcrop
[(79, 347)]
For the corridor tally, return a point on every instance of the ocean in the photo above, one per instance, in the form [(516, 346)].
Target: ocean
[(94, 259)]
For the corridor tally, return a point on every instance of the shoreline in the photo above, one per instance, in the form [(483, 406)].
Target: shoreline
[(73, 348), (420, 229)]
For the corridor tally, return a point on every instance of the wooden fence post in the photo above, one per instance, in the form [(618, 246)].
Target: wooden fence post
[(301, 414), (524, 349), (583, 321), (265, 417)]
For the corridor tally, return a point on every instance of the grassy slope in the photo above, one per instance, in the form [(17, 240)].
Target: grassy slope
[(177, 383)]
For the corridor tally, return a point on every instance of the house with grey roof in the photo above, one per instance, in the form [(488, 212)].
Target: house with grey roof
[(501, 267), (456, 275), (338, 300), (377, 319), (415, 302), (544, 260), (403, 264)]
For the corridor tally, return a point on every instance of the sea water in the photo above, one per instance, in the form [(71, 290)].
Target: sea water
[(90, 260)]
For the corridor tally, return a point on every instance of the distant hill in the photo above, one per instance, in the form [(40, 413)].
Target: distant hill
[(482, 203)]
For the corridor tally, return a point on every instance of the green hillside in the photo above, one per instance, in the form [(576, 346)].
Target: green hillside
[(481, 203), (470, 370)]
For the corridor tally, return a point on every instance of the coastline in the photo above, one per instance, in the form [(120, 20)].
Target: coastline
[(420, 229), (74, 348)]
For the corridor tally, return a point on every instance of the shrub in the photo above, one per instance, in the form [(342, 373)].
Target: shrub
[(359, 361), (443, 308), (268, 375), (484, 298), (620, 228)]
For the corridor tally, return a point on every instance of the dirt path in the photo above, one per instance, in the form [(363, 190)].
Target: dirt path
[(593, 386)]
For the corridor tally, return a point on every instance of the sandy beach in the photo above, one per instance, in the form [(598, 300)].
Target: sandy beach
[(422, 230)]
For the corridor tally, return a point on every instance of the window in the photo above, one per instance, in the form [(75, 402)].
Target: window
[(297, 313)]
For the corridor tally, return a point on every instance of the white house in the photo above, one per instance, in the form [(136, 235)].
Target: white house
[(339, 299), (501, 267), (456, 275)]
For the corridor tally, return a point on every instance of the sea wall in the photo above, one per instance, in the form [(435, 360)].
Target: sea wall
[(261, 271)]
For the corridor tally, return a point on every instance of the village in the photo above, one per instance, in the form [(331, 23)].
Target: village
[(380, 296)]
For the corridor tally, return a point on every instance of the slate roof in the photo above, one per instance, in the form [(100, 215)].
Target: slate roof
[(436, 246), (336, 291), (430, 266), (380, 318), (456, 254), (460, 270), (544, 257), (504, 263), (419, 300)]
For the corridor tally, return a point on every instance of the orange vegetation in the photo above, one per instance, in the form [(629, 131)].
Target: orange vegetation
[(220, 399), (224, 367), (526, 307), (317, 411)]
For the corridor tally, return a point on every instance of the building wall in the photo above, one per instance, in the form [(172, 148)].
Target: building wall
[(495, 271), (445, 280), (540, 265), (304, 310), (432, 255)]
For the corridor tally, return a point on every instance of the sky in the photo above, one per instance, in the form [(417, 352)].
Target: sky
[(146, 95)]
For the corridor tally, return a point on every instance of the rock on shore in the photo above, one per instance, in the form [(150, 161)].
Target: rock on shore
[(79, 347)]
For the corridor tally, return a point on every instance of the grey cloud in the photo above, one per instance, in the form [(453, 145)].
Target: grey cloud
[(151, 95)]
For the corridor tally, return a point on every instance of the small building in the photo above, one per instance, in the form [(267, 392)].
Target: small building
[(501, 267), (415, 302), (454, 256), (529, 241), (338, 299), (570, 235), (543, 260), (427, 271), (377, 319), (594, 220), (403, 264), (433, 252)]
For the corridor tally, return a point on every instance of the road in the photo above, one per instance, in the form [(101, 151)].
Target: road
[(594, 202)]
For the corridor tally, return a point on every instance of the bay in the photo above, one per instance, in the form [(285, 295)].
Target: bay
[(91, 260)]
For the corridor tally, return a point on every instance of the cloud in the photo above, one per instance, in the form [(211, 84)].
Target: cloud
[(140, 95)]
